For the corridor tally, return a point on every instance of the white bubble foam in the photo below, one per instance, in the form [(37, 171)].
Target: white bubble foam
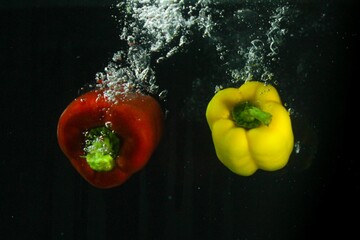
[(246, 41)]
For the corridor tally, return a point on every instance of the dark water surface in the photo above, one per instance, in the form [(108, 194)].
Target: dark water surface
[(49, 51)]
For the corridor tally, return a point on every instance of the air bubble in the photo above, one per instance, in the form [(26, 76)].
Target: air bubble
[(118, 56), (291, 111), (297, 147), (163, 94), (108, 124), (218, 88)]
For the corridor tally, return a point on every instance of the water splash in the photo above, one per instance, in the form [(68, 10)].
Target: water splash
[(148, 27), (246, 40)]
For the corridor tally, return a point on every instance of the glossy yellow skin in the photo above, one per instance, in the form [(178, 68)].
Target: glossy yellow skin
[(245, 151)]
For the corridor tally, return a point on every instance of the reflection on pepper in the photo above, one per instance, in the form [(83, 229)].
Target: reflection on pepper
[(250, 128), (108, 141)]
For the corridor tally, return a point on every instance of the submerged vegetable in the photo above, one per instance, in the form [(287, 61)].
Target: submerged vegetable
[(108, 141), (250, 128)]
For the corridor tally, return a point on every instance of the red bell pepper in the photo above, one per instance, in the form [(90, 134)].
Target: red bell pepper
[(107, 141)]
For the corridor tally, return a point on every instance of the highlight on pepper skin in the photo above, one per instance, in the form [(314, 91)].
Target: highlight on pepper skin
[(109, 141), (250, 128)]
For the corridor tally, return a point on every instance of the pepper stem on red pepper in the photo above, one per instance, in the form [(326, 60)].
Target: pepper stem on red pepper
[(101, 147), (247, 115)]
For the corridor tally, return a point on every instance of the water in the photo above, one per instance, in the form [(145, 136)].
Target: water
[(246, 38), (184, 192)]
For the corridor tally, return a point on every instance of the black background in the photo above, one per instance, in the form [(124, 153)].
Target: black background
[(49, 51)]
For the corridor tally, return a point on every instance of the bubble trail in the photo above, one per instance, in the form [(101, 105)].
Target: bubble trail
[(246, 40), (149, 26)]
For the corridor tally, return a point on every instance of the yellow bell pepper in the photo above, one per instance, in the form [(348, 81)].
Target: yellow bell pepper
[(250, 127)]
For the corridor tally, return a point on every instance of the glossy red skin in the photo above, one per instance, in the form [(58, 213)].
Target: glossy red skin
[(136, 118)]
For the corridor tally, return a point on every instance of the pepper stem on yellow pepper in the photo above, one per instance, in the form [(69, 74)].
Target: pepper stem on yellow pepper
[(101, 147), (248, 116)]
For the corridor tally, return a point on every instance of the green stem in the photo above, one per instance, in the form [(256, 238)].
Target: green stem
[(247, 115), (101, 147)]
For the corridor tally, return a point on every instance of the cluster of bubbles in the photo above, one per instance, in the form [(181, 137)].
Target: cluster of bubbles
[(245, 40)]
